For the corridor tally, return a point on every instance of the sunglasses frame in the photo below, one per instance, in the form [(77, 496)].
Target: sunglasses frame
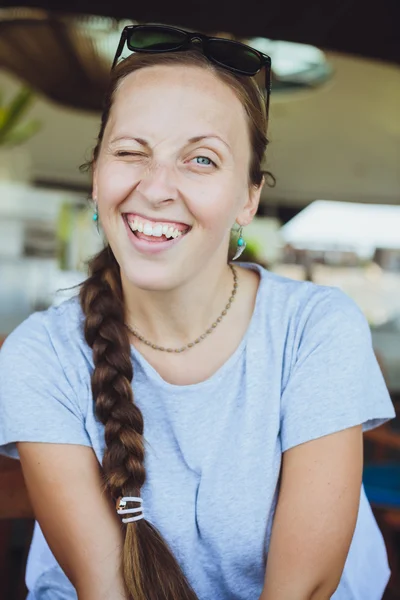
[(190, 37)]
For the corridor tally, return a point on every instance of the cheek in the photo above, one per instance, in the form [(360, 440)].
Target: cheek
[(223, 196), (114, 182), (213, 207)]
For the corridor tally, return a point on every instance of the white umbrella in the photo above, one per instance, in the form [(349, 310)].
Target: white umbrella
[(331, 225)]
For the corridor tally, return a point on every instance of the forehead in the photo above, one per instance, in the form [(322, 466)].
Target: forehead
[(163, 98)]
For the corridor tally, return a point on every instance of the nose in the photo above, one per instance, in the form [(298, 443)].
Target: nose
[(158, 185)]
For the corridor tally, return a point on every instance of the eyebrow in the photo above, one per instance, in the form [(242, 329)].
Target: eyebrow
[(192, 140), (198, 138)]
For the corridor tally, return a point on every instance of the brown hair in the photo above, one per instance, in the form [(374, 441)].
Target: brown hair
[(150, 570)]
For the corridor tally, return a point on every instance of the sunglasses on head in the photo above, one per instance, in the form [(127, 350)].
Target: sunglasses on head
[(234, 56)]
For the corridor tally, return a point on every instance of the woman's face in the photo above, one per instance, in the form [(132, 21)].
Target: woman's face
[(174, 161)]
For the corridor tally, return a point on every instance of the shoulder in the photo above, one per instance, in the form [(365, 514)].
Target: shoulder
[(52, 341), (54, 326), (304, 304), (44, 380)]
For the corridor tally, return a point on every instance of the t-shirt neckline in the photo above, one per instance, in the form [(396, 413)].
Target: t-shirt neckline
[(153, 374)]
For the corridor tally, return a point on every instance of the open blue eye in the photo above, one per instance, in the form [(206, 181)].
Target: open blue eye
[(203, 160)]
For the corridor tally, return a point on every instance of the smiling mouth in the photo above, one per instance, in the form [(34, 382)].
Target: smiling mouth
[(154, 231)]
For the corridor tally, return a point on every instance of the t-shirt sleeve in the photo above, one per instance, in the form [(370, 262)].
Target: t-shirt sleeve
[(335, 381), (37, 400)]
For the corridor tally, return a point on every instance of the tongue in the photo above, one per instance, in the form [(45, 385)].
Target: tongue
[(150, 238)]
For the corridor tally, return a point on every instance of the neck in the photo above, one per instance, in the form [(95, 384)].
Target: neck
[(178, 316)]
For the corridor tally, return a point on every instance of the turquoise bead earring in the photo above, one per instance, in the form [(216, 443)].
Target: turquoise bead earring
[(241, 244), (95, 217)]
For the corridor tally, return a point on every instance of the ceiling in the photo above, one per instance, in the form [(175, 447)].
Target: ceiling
[(339, 142), (350, 26), (82, 48)]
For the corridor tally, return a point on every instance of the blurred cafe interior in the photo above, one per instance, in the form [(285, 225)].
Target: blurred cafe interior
[(330, 214)]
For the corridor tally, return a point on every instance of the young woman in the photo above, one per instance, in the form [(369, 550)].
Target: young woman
[(190, 427)]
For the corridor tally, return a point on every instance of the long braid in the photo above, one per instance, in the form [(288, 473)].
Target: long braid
[(150, 570)]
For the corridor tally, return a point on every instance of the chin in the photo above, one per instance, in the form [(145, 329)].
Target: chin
[(150, 276)]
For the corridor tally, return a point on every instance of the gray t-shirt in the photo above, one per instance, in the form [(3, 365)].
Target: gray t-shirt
[(304, 369)]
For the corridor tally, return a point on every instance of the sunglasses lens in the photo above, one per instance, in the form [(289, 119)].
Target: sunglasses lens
[(155, 39), (234, 55)]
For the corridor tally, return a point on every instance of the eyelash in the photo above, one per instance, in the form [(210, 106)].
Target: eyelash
[(126, 153), (122, 153)]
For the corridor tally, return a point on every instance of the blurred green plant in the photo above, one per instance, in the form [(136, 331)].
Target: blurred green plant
[(12, 131)]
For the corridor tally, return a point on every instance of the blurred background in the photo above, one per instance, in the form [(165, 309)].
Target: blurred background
[(333, 216)]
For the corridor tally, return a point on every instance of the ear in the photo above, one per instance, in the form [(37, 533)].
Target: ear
[(94, 182), (248, 211)]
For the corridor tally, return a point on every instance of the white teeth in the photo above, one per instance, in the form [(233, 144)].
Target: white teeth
[(148, 229), (156, 230)]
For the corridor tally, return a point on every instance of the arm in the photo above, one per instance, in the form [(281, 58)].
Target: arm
[(78, 521), (315, 517)]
